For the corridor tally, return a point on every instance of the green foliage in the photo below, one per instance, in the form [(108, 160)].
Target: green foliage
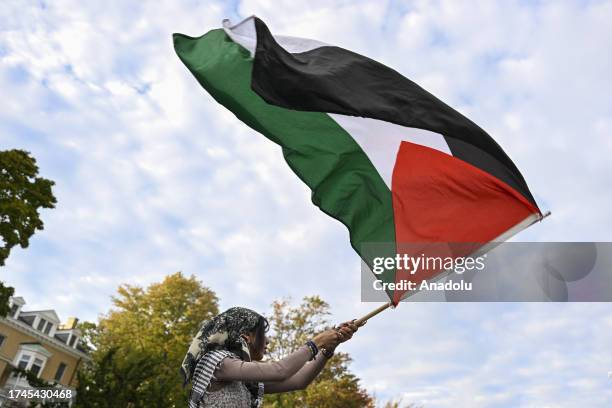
[(32, 379), (22, 194), (138, 346), (89, 337), (335, 386), (36, 382), (137, 349), (5, 293), (112, 381)]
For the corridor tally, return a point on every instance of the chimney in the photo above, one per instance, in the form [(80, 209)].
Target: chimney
[(70, 324)]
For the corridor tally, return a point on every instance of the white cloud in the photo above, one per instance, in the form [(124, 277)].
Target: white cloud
[(153, 176)]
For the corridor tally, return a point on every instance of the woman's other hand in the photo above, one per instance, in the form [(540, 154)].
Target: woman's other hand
[(346, 330), (327, 339)]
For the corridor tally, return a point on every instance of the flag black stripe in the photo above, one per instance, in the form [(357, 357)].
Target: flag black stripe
[(335, 80)]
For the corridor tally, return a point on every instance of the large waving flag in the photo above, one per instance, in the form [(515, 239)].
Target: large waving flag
[(381, 154)]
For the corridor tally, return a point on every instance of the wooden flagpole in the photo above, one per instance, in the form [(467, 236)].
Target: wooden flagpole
[(363, 320)]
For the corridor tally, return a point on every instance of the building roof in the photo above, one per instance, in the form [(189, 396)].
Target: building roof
[(43, 338), (37, 348), (18, 300), (24, 322), (49, 314), (27, 319)]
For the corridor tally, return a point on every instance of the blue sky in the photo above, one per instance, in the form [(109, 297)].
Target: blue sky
[(154, 177)]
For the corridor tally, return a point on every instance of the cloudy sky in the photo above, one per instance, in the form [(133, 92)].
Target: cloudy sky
[(152, 176)]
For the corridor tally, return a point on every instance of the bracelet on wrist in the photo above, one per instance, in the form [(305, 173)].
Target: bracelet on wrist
[(313, 348), (327, 353)]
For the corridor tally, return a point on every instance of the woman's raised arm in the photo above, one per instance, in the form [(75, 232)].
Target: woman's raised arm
[(311, 369), (299, 380), (233, 369)]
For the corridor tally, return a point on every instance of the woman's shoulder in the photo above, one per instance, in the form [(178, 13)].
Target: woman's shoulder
[(221, 353), (214, 358), (206, 369)]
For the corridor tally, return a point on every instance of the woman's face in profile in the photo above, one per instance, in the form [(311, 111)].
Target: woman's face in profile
[(257, 349)]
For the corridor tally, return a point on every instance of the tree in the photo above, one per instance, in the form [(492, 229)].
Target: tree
[(22, 194), (5, 293), (116, 382), (138, 346), (335, 386), (153, 325)]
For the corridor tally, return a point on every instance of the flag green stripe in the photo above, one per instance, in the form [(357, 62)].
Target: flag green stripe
[(344, 183)]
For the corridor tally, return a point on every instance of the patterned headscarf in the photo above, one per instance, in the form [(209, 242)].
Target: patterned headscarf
[(221, 333)]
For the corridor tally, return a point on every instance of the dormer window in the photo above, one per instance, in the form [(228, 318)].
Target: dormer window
[(72, 340), (14, 310), (41, 324), (15, 303), (48, 327)]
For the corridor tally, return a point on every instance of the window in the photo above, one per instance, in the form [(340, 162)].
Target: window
[(31, 357), (48, 328), (72, 339), (2, 338), (14, 309), (60, 372), (41, 324), (23, 362), (36, 366)]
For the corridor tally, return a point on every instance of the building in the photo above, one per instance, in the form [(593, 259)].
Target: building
[(36, 340)]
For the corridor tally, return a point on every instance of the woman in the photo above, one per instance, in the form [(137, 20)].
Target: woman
[(223, 361)]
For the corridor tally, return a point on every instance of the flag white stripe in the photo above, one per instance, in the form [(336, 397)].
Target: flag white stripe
[(244, 33), (380, 140)]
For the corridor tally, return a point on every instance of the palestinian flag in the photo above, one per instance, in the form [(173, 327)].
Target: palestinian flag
[(381, 154)]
